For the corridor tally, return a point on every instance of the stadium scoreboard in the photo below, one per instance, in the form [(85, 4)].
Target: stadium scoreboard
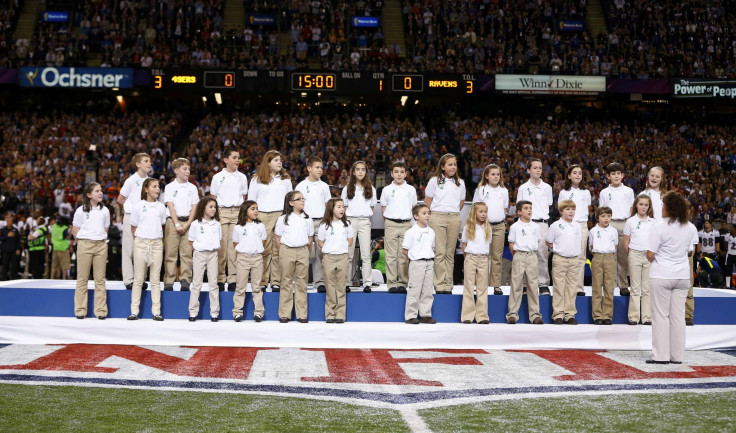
[(339, 83)]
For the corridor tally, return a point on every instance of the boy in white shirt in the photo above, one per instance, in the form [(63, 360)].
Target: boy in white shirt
[(565, 238), (418, 246), (523, 242), (181, 198), (602, 241), (316, 193), (130, 194), (619, 198)]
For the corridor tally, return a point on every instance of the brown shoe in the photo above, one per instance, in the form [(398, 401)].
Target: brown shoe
[(538, 321), (510, 321), (558, 321), (413, 321), (429, 320), (467, 321), (571, 321), (484, 322)]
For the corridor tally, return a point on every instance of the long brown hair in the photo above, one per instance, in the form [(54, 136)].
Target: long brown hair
[(440, 173), (144, 193), (264, 171), (677, 207), (642, 196), (329, 208), (489, 167), (243, 213), (367, 185), (288, 208), (568, 183), (199, 212), (86, 204), (471, 222)]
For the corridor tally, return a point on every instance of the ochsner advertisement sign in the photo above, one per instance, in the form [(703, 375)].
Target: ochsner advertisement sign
[(550, 84), (102, 78), (694, 88)]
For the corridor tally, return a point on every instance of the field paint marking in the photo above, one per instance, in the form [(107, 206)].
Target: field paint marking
[(415, 422)]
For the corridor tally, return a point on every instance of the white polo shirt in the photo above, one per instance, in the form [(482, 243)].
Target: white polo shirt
[(446, 196), (335, 237), (497, 200), (525, 236), (566, 238), (696, 239), (670, 244), (316, 194), (93, 224), (297, 232), (270, 197), (419, 242), (206, 235), (619, 199), (478, 245), (540, 196), (638, 230), (582, 200), (148, 218), (249, 238), (731, 241), (183, 195), (131, 190), (708, 241), (229, 188), (359, 206), (603, 240), (657, 203), (398, 200)]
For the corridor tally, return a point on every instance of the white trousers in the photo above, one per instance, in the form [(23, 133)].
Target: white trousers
[(668, 318)]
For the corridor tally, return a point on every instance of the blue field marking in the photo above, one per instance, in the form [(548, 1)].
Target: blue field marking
[(727, 351), (4, 345), (398, 399)]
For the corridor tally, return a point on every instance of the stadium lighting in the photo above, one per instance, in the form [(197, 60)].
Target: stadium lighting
[(403, 100), (416, 102), (218, 98)]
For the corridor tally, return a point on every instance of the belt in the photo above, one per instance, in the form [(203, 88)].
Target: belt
[(423, 260), (497, 223), (295, 248), (567, 257), (526, 252), (540, 221), (479, 255), (316, 219), (603, 254), (619, 220), (359, 217), (397, 221), (228, 207), (251, 254), (263, 211), (185, 218)]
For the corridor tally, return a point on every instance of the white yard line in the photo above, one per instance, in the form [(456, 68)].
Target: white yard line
[(415, 422)]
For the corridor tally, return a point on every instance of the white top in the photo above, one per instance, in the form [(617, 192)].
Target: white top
[(478, 245), (229, 188), (419, 242), (540, 196), (297, 232), (183, 195), (335, 237), (131, 190), (525, 236), (696, 240), (93, 224), (708, 241), (657, 203), (670, 244), (316, 194), (249, 238), (638, 230), (731, 240), (358, 206), (270, 197), (619, 199), (206, 235), (582, 200), (445, 197), (398, 200), (148, 217), (497, 200), (603, 240), (566, 238)]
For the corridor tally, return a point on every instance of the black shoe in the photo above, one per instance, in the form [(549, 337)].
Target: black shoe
[(675, 362), (238, 317), (184, 285), (276, 288), (192, 319), (598, 322), (572, 321), (366, 289), (402, 289), (559, 321), (221, 286), (101, 317), (484, 322), (263, 288), (158, 318), (80, 317), (523, 291), (413, 321), (283, 320), (168, 287), (303, 320), (544, 291), (607, 321), (467, 322), (231, 287), (631, 322), (510, 321), (444, 292), (347, 289), (651, 361), (648, 323), (538, 321), (393, 290), (257, 318), (129, 286), (429, 320), (321, 289), (214, 319), (497, 291), (689, 322), (581, 293), (339, 320), (145, 286), (133, 317), (624, 292), (330, 321)]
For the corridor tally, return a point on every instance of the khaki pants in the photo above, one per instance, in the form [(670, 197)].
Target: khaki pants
[(525, 263), (446, 226), (226, 253), (294, 272), (668, 319), (476, 276), (565, 277), (315, 259), (419, 296), (335, 267), (639, 306), (249, 265), (147, 253), (60, 263), (397, 263), (604, 274), (127, 251), (362, 231), (202, 260), (498, 233), (176, 246), (690, 301), (583, 257), (622, 259), (271, 269), (91, 253), (542, 257)]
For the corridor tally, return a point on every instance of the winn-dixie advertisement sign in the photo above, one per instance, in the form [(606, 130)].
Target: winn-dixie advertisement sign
[(694, 88), (550, 84), (101, 78)]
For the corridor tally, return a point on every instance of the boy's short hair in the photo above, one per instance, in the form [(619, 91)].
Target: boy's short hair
[(229, 152), (529, 162), (520, 204), (312, 159), (178, 162), (398, 164), (614, 166), (603, 210), (138, 157), (417, 207), (564, 204)]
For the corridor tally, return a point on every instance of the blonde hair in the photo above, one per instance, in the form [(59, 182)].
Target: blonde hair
[(564, 204), (178, 162), (489, 167), (472, 222), (662, 184)]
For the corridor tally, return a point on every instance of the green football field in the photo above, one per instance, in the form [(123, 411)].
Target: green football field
[(27, 408)]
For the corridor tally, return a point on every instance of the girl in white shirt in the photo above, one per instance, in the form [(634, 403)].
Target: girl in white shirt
[(249, 239), (492, 192), (636, 240), (89, 228), (335, 237), (293, 234), (360, 199), (205, 235), (575, 189), (656, 187), (445, 196), (146, 222), (476, 240)]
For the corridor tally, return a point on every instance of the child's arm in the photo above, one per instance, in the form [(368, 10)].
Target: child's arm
[(511, 248), (277, 240), (311, 239), (627, 241), (321, 243), (465, 244), (132, 230), (73, 232), (405, 251)]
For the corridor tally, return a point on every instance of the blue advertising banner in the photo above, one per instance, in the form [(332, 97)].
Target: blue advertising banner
[(364, 21), (571, 25), (105, 78), (261, 20), (55, 17)]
